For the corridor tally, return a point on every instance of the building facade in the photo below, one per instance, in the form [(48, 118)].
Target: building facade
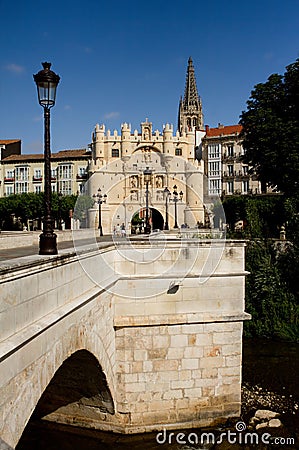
[(25, 173), (117, 169), (226, 173), (173, 196)]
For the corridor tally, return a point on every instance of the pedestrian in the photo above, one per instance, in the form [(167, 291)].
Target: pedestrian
[(123, 230)]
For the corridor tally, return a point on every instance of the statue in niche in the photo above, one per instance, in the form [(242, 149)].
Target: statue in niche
[(146, 134), (159, 196), (147, 156), (134, 196), (134, 182), (159, 182)]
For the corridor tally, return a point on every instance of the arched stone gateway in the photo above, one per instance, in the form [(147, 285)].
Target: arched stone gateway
[(119, 164)]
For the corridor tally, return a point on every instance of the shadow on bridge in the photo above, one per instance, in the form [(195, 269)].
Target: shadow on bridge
[(78, 383)]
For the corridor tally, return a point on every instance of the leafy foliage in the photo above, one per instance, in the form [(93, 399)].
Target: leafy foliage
[(83, 203), (262, 215), (273, 306), (271, 131), (31, 206)]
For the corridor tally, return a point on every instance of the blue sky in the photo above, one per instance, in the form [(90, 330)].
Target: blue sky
[(123, 61)]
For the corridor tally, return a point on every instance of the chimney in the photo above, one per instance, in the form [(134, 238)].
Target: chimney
[(207, 128), (220, 125)]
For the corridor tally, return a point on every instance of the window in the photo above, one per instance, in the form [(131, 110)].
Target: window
[(9, 190), (65, 171), (10, 174), (230, 149), (53, 187), (245, 187), (178, 152), (82, 171), (245, 170), (22, 173), (54, 172), (65, 187), (115, 153), (230, 168), (214, 168), (37, 173), (213, 151), (214, 187), (230, 187), (37, 188), (21, 187)]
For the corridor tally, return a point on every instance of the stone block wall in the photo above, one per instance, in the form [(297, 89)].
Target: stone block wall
[(184, 375)]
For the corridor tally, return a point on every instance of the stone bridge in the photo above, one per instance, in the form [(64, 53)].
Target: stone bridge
[(122, 336)]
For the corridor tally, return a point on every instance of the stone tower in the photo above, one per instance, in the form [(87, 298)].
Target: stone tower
[(190, 109)]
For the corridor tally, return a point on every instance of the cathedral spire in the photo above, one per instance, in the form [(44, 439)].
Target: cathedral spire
[(191, 97), (190, 109)]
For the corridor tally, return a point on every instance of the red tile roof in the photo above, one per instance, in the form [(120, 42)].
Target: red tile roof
[(9, 141), (223, 130), (63, 154)]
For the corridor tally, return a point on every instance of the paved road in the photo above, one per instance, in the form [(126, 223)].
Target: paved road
[(18, 252)]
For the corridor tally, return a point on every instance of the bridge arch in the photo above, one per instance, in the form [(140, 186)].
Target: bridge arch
[(79, 380), (77, 387)]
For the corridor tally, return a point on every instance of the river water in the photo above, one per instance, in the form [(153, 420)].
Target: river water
[(270, 365)]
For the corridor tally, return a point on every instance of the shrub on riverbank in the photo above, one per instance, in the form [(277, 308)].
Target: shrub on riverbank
[(271, 292)]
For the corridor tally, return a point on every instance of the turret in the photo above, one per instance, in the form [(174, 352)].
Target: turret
[(125, 139), (98, 141), (167, 138)]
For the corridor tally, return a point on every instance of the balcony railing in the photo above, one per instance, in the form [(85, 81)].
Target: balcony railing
[(37, 178), (9, 179), (81, 176)]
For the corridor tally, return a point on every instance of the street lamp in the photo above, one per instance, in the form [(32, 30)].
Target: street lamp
[(147, 173), (47, 81), (175, 199), (100, 199), (166, 193)]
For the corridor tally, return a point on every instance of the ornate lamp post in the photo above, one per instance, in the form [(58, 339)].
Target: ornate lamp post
[(100, 199), (147, 178), (47, 81), (166, 193), (175, 199)]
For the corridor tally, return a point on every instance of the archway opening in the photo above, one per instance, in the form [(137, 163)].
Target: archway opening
[(78, 386), (138, 220)]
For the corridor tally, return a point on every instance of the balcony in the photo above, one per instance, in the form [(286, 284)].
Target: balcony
[(9, 179), (81, 177), (37, 179)]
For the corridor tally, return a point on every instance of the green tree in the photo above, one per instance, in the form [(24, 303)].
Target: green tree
[(274, 308), (83, 203), (271, 131)]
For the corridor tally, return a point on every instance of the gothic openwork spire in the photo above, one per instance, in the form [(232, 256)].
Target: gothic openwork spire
[(190, 108)]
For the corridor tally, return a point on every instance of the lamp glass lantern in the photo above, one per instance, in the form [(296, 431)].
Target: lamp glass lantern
[(46, 81)]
